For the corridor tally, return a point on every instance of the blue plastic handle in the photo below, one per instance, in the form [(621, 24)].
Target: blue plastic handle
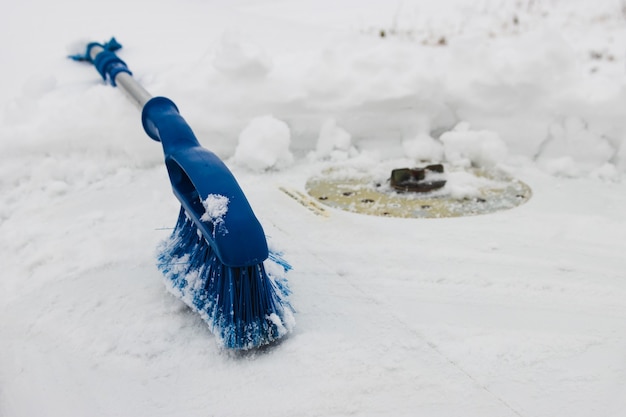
[(196, 173)]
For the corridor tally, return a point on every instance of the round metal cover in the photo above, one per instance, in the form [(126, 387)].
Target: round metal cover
[(467, 192)]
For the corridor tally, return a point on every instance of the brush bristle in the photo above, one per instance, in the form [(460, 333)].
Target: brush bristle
[(245, 307)]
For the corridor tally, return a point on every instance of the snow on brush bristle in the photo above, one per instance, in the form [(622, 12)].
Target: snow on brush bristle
[(245, 307)]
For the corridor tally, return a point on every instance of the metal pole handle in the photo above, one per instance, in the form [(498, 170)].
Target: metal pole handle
[(119, 75)]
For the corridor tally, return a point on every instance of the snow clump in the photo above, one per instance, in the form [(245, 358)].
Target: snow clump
[(264, 144), (463, 146), (215, 208), (423, 147)]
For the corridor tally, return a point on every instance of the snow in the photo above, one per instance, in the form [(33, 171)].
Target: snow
[(423, 147), (462, 184), (215, 208), (463, 146), (516, 313), (264, 144), (239, 57), (333, 140)]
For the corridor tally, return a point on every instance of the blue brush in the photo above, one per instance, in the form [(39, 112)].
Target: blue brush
[(216, 258)]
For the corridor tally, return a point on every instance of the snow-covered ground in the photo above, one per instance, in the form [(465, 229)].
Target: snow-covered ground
[(516, 313)]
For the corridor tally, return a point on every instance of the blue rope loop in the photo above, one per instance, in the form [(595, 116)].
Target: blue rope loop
[(112, 45), (107, 63)]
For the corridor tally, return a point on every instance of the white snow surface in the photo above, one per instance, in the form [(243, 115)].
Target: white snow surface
[(517, 313)]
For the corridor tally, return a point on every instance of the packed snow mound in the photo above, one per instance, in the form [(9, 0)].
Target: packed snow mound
[(513, 69), (333, 141), (239, 57), (538, 91), (423, 147), (467, 147), (573, 139), (264, 145)]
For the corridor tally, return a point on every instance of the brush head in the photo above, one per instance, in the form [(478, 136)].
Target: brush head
[(245, 307)]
